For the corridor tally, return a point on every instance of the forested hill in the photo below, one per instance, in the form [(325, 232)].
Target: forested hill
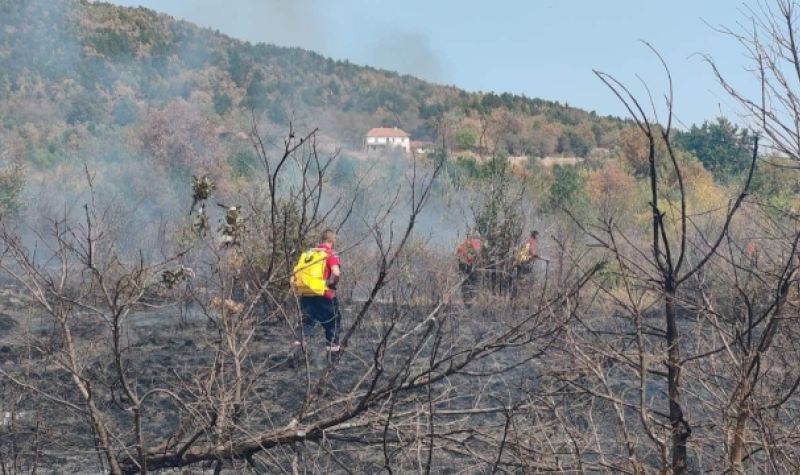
[(72, 71)]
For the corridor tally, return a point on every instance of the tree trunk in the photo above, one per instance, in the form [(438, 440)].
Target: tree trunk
[(95, 416), (680, 429), (737, 442)]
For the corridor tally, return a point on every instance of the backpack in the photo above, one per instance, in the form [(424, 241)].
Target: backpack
[(308, 275)]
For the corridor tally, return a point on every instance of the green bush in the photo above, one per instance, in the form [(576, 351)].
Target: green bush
[(466, 138), (568, 189)]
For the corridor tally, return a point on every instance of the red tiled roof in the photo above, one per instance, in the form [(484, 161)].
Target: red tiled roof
[(386, 132)]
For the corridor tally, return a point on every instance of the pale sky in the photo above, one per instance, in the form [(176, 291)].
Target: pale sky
[(540, 48)]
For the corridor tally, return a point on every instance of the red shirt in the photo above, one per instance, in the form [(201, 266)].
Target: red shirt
[(469, 250), (533, 247), (332, 260)]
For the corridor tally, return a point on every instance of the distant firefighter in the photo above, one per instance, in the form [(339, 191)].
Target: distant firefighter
[(528, 254), (232, 226), (201, 190), (200, 220), (468, 255)]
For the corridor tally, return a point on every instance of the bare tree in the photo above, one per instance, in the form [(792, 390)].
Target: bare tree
[(666, 266), (83, 279), (768, 36)]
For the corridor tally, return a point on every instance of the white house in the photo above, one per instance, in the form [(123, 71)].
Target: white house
[(381, 138)]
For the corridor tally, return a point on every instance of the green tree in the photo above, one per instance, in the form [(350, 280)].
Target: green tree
[(568, 189), (579, 145), (244, 163), (497, 210), (461, 170), (573, 143), (86, 107), (222, 102), (774, 187), (257, 97), (721, 147), (238, 67), (466, 138)]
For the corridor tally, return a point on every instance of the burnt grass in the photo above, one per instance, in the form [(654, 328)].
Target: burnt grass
[(173, 349)]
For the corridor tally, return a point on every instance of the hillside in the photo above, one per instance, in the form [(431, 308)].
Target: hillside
[(75, 75)]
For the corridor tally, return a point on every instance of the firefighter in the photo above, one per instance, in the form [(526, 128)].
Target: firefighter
[(468, 255), (524, 260)]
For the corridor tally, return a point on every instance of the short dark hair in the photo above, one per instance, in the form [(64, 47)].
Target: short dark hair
[(328, 235), (534, 233)]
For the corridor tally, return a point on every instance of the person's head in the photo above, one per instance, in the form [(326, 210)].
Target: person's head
[(534, 234), (329, 237)]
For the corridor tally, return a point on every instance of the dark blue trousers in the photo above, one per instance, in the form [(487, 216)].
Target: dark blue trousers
[(323, 311)]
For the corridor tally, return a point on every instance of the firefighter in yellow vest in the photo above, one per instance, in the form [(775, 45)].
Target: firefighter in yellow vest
[(314, 280), (528, 254)]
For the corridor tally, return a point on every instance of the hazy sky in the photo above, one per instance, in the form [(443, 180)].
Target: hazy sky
[(542, 48)]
